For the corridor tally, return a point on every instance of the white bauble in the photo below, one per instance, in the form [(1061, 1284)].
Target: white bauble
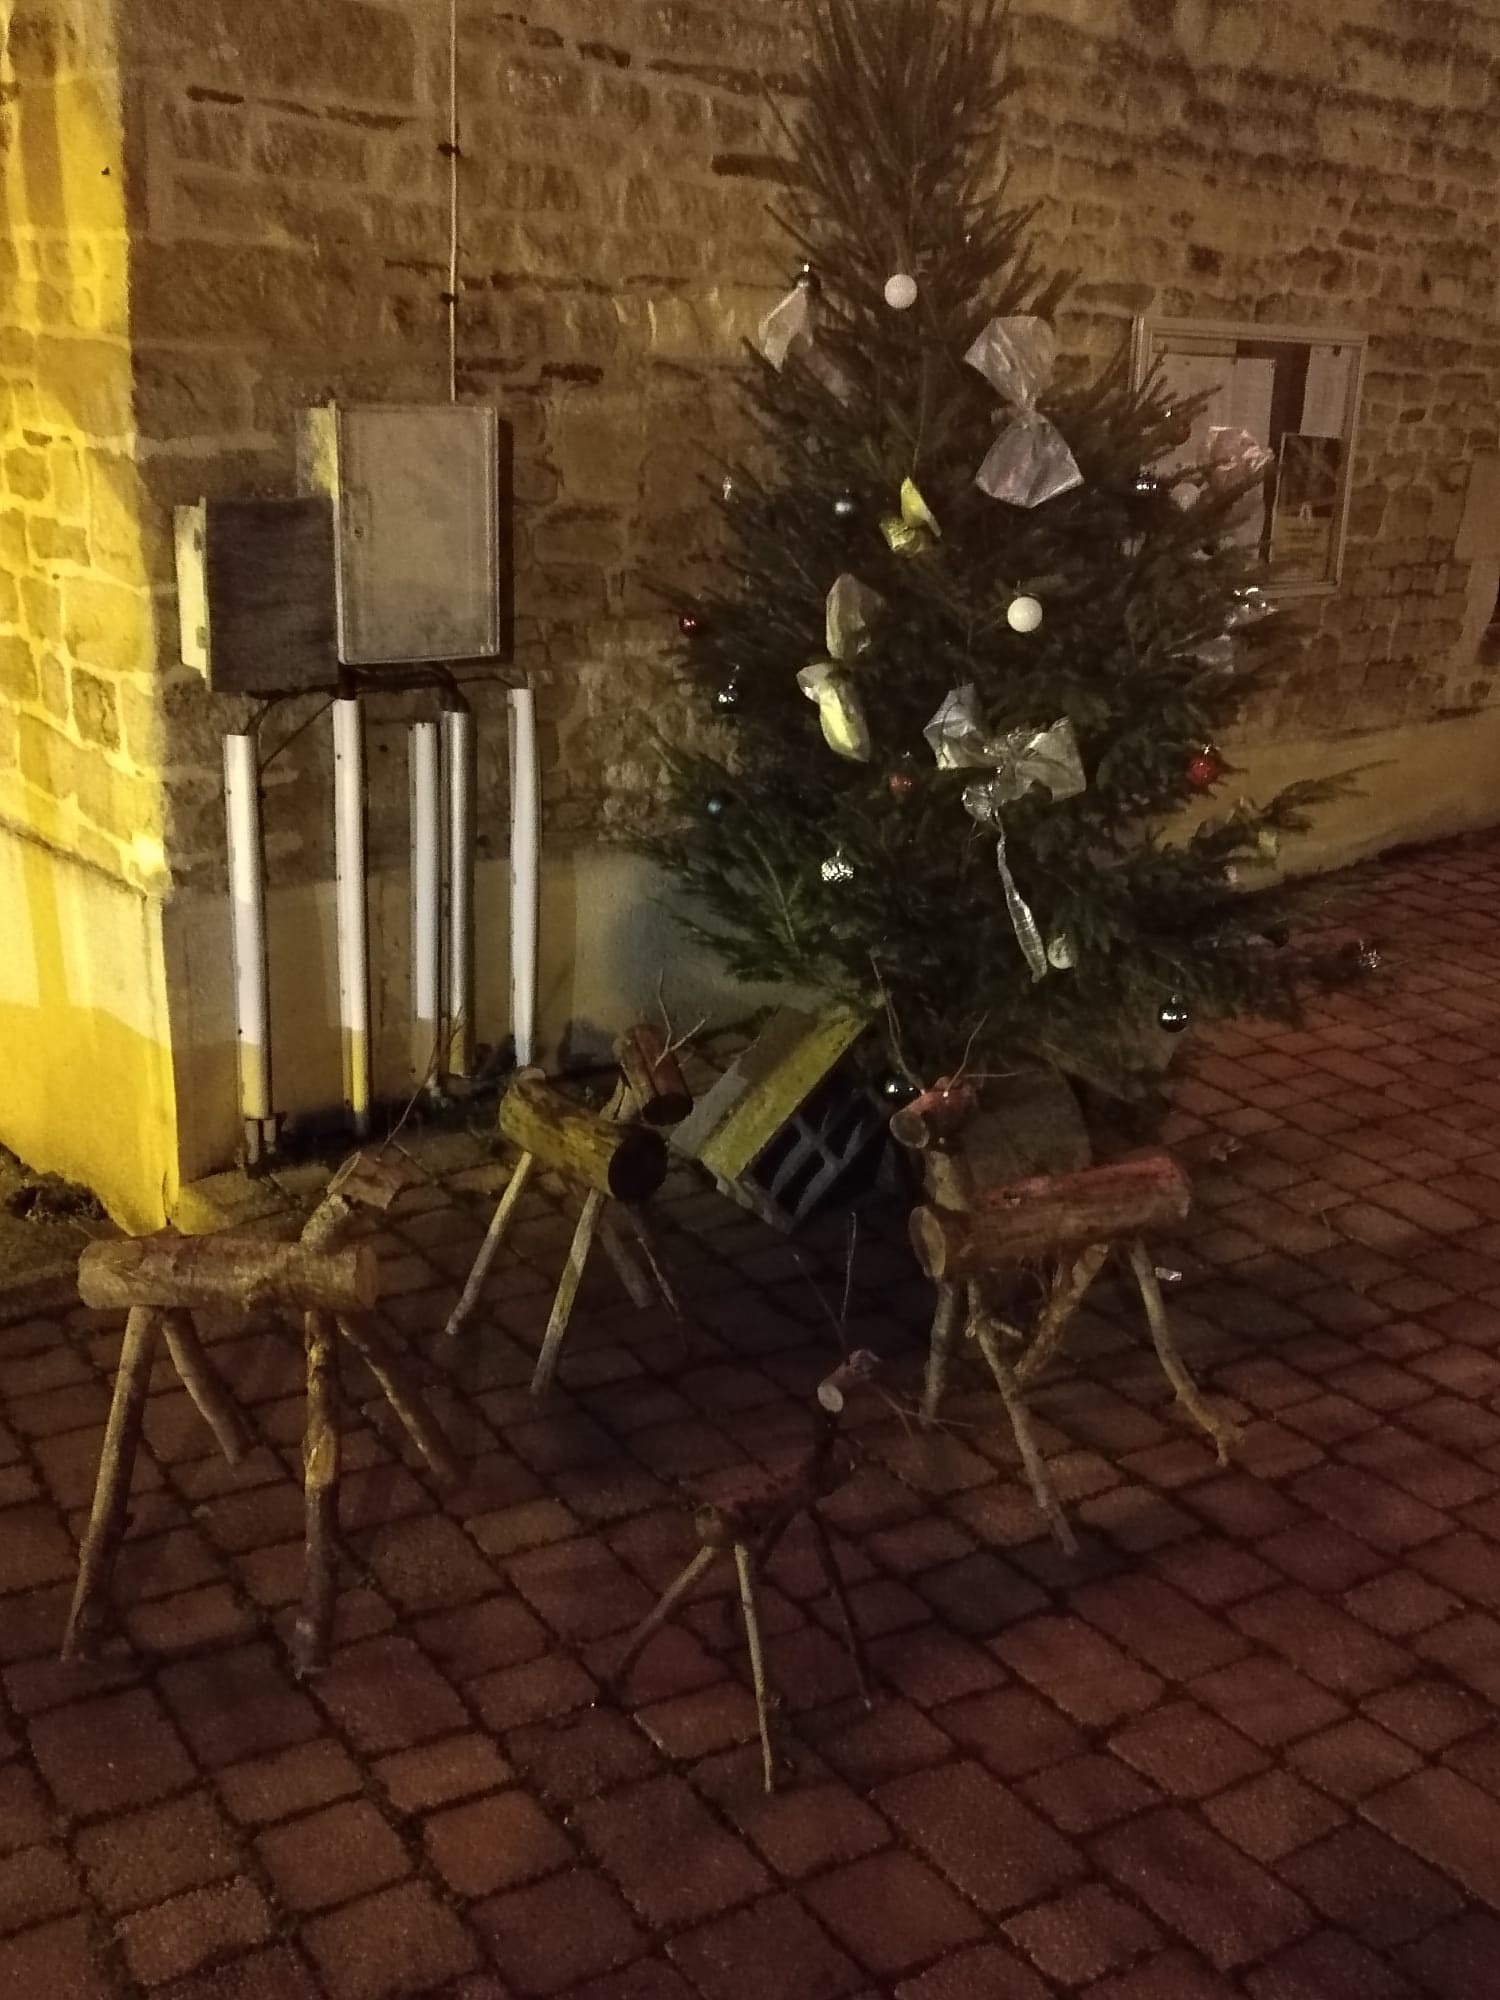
[(1023, 614), (900, 291)]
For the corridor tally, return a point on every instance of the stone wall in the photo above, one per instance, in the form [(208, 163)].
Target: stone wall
[(276, 207)]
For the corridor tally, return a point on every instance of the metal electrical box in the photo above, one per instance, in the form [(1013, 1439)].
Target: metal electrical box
[(255, 594), (415, 492)]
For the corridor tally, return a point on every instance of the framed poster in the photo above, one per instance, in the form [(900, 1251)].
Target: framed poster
[(1296, 390)]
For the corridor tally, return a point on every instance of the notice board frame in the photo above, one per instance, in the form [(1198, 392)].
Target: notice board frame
[(1156, 339)]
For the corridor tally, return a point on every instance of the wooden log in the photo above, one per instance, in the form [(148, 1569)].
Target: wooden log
[(365, 1180), (936, 1118), (625, 1161), (110, 1515), (654, 1075), (172, 1270), (1050, 1213)]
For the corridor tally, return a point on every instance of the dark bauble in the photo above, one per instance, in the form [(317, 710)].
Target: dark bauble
[(896, 1090), (1173, 1014), (728, 695), (1146, 482), (716, 805), (688, 623), (808, 280), (901, 783), (1205, 768), (845, 507)]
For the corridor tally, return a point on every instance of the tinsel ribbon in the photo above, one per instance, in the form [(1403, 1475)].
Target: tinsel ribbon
[(849, 616), (1016, 759), (1029, 462)]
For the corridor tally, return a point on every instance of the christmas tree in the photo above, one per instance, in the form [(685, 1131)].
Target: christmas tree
[(973, 646)]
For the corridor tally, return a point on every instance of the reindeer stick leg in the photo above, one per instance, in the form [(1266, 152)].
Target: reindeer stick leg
[(1064, 1297), (494, 1236), (661, 1611), (627, 1269), (939, 1352), (645, 1236), (204, 1384), (1223, 1433), (1020, 1423), (398, 1384), (110, 1516), (567, 1292), (320, 1477), (840, 1596), (763, 1697)]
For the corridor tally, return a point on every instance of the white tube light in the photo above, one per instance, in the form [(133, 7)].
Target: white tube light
[(247, 907), (525, 877), (426, 901), (458, 759), (352, 920)]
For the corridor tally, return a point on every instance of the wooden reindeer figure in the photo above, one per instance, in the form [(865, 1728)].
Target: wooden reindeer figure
[(979, 1226), (617, 1158), (747, 1526)]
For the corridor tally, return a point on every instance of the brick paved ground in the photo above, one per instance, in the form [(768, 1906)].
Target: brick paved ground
[(1245, 1744)]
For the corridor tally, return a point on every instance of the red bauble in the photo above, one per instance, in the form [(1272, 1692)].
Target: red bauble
[(901, 784), (687, 623), (1205, 769)]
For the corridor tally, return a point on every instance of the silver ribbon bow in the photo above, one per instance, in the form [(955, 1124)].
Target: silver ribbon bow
[(849, 616), (1029, 462), (789, 325), (1016, 759)]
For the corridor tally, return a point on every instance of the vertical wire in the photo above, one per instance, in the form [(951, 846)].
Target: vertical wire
[(453, 201)]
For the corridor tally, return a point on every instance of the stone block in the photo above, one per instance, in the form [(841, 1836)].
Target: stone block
[(181, 394), (84, 386), (211, 135), (67, 155), (41, 604), (48, 760), (26, 473), (18, 676), (304, 149), (54, 681), (598, 443), (95, 712), (53, 542), (120, 804), (106, 625)]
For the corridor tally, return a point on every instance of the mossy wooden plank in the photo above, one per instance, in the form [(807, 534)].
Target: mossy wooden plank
[(734, 1122)]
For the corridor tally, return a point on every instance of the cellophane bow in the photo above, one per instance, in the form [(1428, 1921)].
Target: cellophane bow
[(1016, 759), (1029, 462), (850, 612)]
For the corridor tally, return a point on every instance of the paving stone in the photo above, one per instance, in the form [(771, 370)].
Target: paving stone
[(385, 1695), (36, 1882), (798, 1829), (675, 1864), (1371, 1886), (333, 1855), (993, 1848), (274, 1974), (1458, 1959), (1225, 1905), (401, 1940), (1082, 1935), (1353, 1758), (1329, 1966), (175, 1937), (100, 1756), (555, 1933), (54, 1958), (149, 1855), (984, 1972), (495, 1843), (238, 1704), (1186, 1751), (1450, 1822), (1076, 1667), (891, 1912), (764, 1953), (287, 1781), (1272, 1814)]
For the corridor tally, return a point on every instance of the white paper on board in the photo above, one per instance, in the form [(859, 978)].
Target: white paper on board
[(1250, 389), (1183, 377), (1326, 402)]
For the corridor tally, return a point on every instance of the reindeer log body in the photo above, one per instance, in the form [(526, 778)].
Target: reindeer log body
[(625, 1161), (1057, 1212)]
